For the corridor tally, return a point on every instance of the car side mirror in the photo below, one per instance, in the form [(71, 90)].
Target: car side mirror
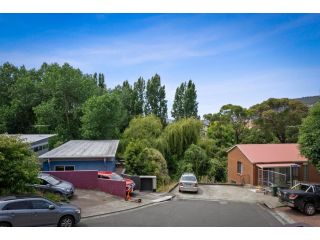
[(51, 207)]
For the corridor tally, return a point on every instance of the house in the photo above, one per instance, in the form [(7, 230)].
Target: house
[(39, 142), (81, 155), (267, 164)]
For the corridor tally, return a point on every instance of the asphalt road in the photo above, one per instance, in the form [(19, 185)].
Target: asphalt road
[(189, 213)]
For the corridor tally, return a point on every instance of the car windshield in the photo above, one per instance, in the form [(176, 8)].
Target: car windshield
[(52, 180), (188, 178), (302, 187), (116, 177)]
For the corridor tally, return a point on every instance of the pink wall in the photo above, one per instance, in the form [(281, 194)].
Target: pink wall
[(89, 180), (117, 188)]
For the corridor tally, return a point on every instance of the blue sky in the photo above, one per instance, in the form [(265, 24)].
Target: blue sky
[(241, 59)]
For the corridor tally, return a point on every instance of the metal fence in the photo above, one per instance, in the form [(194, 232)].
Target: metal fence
[(269, 178)]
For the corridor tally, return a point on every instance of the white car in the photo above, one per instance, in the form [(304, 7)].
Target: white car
[(188, 183)]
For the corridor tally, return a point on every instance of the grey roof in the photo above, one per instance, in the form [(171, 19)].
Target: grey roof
[(32, 138), (84, 149)]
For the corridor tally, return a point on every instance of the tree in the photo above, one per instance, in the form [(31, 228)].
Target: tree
[(139, 97), (309, 136), (65, 89), (143, 160), (222, 134), (147, 128), (102, 117), (101, 82), (178, 110), (185, 103), (218, 169), (18, 166), (156, 102), (196, 157), (237, 116), (190, 101), (176, 138), (278, 116)]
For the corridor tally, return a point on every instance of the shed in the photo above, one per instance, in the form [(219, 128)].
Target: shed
[(81, 155)]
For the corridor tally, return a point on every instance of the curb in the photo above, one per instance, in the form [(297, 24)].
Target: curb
[(281, 217), (173, 187)]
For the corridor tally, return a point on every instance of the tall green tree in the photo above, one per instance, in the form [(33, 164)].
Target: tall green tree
[(178, 109), (65, 89), (139, 97), (101, 82), (237, 116), (156, 102), (18, 166), (309, 136), (102, 117), (190, 100), (279, 116), (185, 103)]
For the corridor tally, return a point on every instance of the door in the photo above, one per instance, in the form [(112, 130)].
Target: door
[(20, 213), (43, 215)]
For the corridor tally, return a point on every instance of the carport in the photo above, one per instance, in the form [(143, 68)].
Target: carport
[(277, 174)]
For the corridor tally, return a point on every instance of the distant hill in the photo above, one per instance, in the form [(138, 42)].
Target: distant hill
[(309, 101)]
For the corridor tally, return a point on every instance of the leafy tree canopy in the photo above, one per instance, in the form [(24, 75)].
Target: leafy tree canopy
[(18, 166), (309, 136)]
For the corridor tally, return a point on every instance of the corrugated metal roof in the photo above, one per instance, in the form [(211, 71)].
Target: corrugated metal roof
[(271, 153), (32, 138), (84, 149)]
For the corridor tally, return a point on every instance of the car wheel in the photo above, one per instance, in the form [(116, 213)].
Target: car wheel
[(66, 221), (309, 209), (5, 224)]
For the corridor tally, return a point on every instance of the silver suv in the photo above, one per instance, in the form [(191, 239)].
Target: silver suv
[(37, 211)]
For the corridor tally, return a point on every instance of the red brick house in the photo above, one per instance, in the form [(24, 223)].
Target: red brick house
[(265, 164)]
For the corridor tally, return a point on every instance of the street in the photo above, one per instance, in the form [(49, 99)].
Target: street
[(189, 213)]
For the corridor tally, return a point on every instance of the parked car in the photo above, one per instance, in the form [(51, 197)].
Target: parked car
[(28, 211), (188, 183), (130, 185), (303, 196), (50, 183)]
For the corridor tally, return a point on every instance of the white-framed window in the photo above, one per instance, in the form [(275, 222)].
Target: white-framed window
[(64, 168), (239, 167)]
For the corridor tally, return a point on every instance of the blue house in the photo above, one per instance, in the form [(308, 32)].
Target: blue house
[(81, 155)]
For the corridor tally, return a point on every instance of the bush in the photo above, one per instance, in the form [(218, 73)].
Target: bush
[(18, 166), (140, 159)]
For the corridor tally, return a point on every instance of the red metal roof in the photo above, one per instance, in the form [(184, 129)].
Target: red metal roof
[(272, 153)]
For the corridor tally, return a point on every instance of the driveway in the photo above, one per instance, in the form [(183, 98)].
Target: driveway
[(229, 193), (93, 203), (189, 213)]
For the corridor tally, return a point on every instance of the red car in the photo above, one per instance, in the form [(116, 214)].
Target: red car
[(113, 176)]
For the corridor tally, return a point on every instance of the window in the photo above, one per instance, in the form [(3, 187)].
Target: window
[(59, 168), (40, 204), (18, 205), (239, 167), (64, 168), (69, 168)]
